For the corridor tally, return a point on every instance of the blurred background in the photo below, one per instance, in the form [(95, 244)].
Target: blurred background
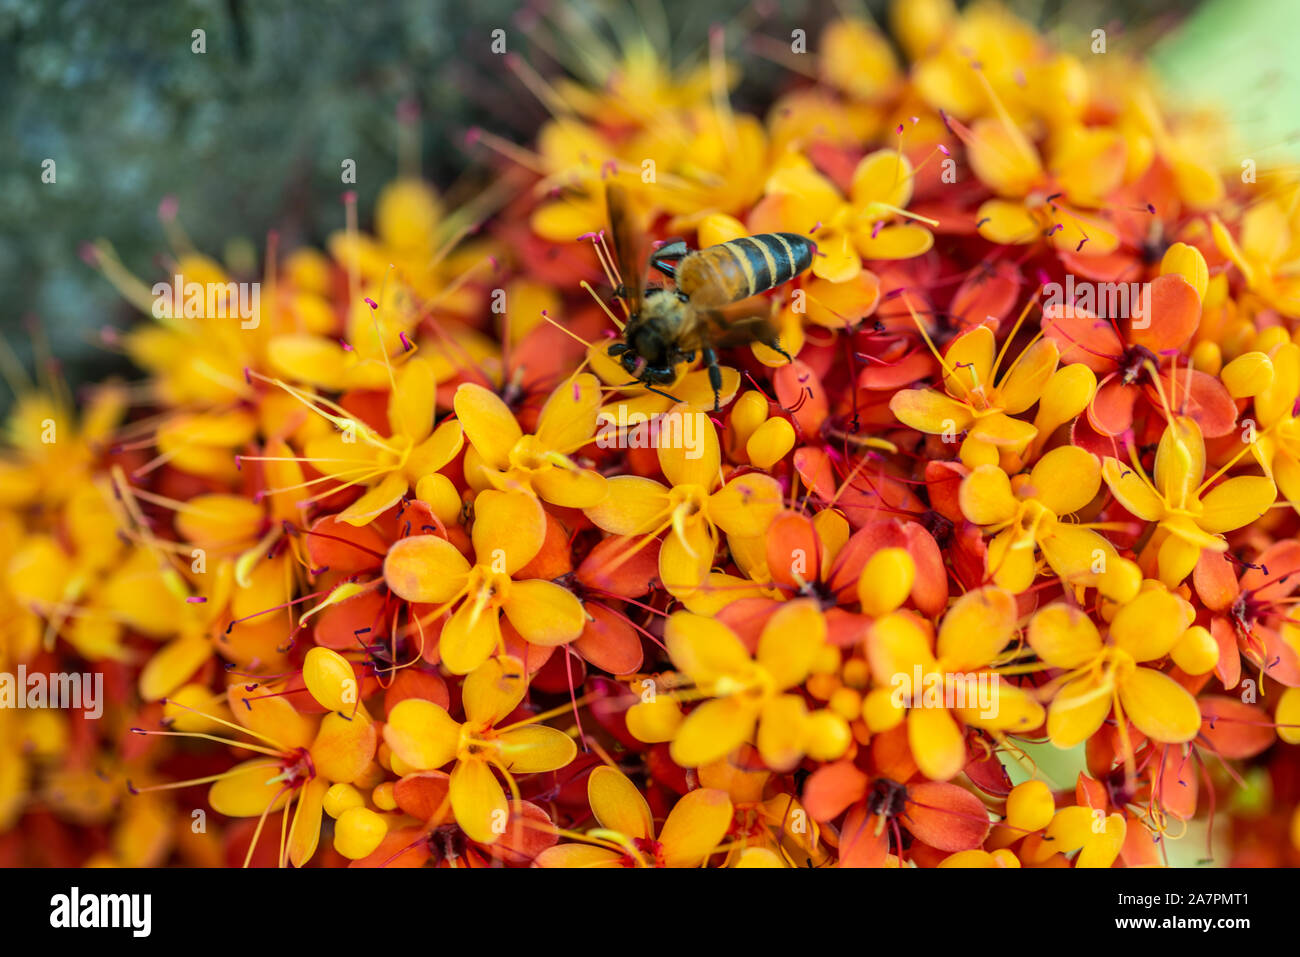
[(251, 134)]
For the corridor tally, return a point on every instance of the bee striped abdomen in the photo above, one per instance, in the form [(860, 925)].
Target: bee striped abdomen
[(744, 267)]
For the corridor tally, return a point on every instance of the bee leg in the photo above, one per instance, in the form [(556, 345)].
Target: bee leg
[(618, 348), (670, 251), (775, 345), (715, 377)]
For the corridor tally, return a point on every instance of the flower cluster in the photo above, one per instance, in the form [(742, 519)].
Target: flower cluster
[(399, 568)]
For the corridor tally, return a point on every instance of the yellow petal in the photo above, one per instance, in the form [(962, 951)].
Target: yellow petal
[(884, 176), (695, 827), (172, 665), (1064, 480), (790, 642), (571, 487), (1078, 710), (509, 529), (488, 422), (929, 411), (435, 452), (425, 568), (1236, 503), (1002, 158), (534, 749), (1009, 708), (248, 790), (782, 728), (686, 556), (969, 361), (695, 465), (1012, 561), (422, 734), (543, 612), (376, 501), (632, 506), (618, 803), (1028, 377), (713, 730), (568, 419), (493, 690), (1159, 706), (1180, 461), (344, 746), (478, 801), (1133, 493), (304, 832), (703, 648), (468, 639), (976, 628), (886, 581), (1063, 637), (896, 645), (330, 679), (578, 855), (901, 241), (1007, 223), (411, 403), (746, 505), (1148, 626), (937, 743), (986, 498)]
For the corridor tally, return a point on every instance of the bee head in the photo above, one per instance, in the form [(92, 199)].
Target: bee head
[(645, 356)]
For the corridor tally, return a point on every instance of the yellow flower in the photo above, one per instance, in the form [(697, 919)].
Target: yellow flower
[(1277, 447), (753, 692), (802, 200), (48, 454), (1192, 515), (425, 738), (540, 463), (509, 529), (982, 404), (973, 634), (299, 757), (1025, 515), (696, 505), (390, 466), (1101, 676), (1268, 254), (626, 837)]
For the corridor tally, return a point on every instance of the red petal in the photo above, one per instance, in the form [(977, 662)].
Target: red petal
[(945, 816), (1175, 314), (832, 788), (1235, 729), (609, 642)]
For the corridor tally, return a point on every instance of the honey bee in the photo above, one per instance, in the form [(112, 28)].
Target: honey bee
[(667, 326)]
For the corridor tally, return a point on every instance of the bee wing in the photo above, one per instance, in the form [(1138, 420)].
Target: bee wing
[(627, 239), (741, 324)]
